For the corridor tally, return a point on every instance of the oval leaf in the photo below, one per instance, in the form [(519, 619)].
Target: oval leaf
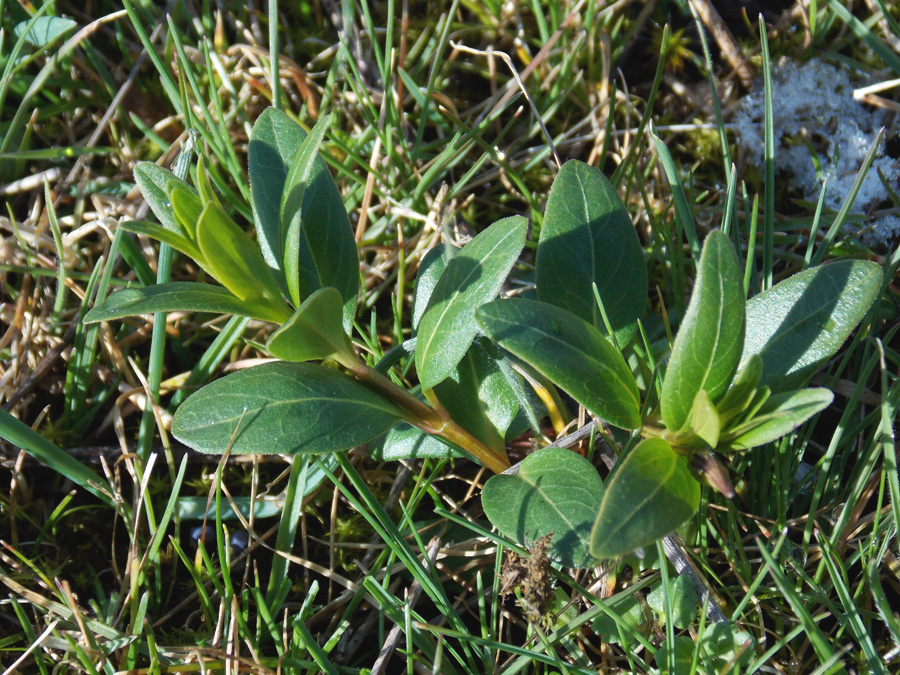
[(315, 331), (650, 493), (404, 441), (430, 270), (174, 239), (568, 351), (479, 398), (327, 252), (587, 238), (283, 407), (708, 346), (153, 181), (473, 277), (781, 414), (800, 323), (233, 258), (179, 296), (554, 490)]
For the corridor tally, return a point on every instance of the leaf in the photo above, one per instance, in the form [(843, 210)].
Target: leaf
[(22, 436), (153, 181), (315, 331), (703, 421), (234, 259), (781, 414), (430, 270), (800, 323), (554, 490), (707, 348), (43, 29), (569, 352), (684, 656), (587, 238), (473, 277), (629, 612), (742, 391), (187, 207), (179, 296), (166, 236), (727, 646), (327, 255), (649, 494), (684, 602), (404, 441), (478, 397), (288, 408), (291, 213)]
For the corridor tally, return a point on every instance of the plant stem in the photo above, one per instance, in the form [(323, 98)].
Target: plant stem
[(429, 420)]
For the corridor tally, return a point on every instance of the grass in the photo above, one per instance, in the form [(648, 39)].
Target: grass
[(338, 564)]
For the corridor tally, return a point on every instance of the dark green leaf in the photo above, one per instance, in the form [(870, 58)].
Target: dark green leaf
[(478, 397), (708, 346), (291, 214), (727, 646), (430, 270), (179, 296), (629, 612), (283, 407), (684, 656), (404, 441), (315, 331), (153, 181), (570, 353), (587, 238), (473, 277), (650, 492), (801, 322), (554, 490), (779, 415), (327, 255), (234, 259)]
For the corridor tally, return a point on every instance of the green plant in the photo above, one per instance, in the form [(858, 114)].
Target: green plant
[(733, 380)]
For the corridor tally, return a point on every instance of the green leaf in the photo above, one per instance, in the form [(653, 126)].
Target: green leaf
[(22, 436), (684, 602), (738, 398), (629, 612), (478, 397), (290, 217), (187, 207), (404, 441), (430, 270), (153, 181), (166, 236), (283, 407), (727, 646), (707, 348), (779, 415), (684, 656), (473, 277), (43, 29), (587, 238), (703, 422), (315, 331), (554, 490), (650, 492), (180, 296), (327, 255), (234, 259), (570, 353), (800, 323)]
